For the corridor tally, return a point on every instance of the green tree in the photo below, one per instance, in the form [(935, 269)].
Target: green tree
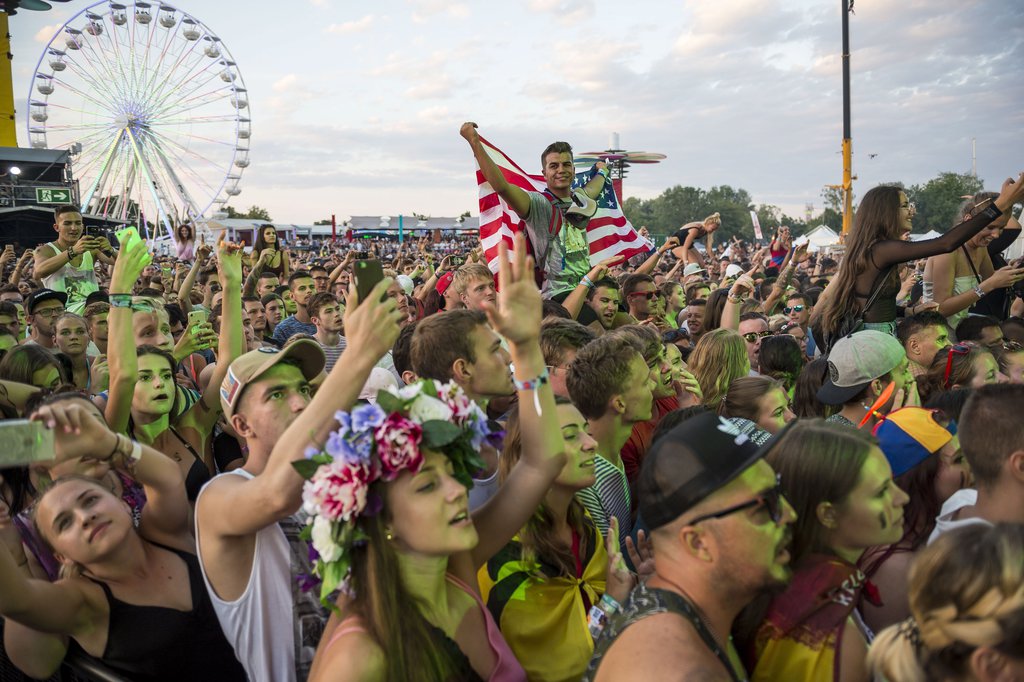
[(938, 199)]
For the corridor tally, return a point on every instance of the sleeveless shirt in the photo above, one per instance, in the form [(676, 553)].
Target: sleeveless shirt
[(152, 643), (646, 601), (76, 281), (273, 626)]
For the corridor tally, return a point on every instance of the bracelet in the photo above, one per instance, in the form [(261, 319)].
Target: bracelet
[(71, 253), (979, 292), (120, 300), (612, 605), (117, 445), (531, 384), (587, 282), (735, 299)]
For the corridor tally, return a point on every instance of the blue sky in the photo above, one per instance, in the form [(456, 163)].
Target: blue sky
[(356, 106)]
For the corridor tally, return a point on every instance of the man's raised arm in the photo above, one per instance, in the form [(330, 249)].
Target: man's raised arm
[(514, 196)]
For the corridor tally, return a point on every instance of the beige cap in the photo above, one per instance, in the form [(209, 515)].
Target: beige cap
[(250, 366)]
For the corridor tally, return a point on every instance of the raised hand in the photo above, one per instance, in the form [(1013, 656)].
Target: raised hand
[(620, 581), (131, 261), (516, 315), (99, 375), (468, 131), (1012, 192), (641, 554), (670, 243), (229, 261), (372, 326), (77, 431)]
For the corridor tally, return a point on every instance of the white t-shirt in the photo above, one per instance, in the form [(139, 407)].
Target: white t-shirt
[(947, 521)]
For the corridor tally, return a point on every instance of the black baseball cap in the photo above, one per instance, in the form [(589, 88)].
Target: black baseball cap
[(97, 297), (689, 463), (40, 295)]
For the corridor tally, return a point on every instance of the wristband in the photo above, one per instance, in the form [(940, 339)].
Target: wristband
[(136, 454), (120, 300), (531, 384), (71, 253), (979, 292), (586, 282), (612, 606)]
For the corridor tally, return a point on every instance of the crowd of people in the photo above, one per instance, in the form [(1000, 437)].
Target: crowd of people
[(712, 461)]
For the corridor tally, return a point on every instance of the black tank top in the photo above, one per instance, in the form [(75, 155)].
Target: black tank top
[(156, 643), (198, 474)]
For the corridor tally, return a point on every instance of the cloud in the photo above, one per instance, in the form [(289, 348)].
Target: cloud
[(357, 26), (287, 82), (423, 10), (44, 34), (567, 12)]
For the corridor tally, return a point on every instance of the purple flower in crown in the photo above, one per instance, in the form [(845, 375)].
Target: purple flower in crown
[(367, 417), (344, 423)]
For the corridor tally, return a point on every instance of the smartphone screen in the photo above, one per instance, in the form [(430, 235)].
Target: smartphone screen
[(367, 273), (23, 442)]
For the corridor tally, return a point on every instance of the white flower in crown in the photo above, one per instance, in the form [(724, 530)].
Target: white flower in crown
[(728, 427), (323, 540), (425, 409), (407, 392)]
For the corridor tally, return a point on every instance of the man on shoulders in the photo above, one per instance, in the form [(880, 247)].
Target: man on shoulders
[(246, 520), (68, 264), (558, 237)]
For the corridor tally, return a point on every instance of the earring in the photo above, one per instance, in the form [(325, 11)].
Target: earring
[(388, 536)]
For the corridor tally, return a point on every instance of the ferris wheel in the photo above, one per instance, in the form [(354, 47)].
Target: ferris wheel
[(153, 109)]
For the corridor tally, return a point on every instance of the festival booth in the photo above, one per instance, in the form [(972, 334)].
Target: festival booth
[(822, 237)]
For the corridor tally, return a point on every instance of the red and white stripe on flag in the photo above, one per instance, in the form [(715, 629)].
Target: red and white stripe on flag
[(609, 234)]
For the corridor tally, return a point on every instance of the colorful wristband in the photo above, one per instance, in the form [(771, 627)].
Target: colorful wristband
[(531, 384), (120, 300)]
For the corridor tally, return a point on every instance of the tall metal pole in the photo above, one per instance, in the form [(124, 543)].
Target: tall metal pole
[(847, 134)]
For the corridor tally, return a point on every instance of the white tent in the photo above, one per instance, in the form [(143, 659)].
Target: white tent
[(822, 237)]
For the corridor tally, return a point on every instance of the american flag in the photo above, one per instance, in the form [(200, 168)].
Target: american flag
[(609, 234)]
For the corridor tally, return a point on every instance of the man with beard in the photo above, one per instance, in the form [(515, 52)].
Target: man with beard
[(719, 528), (43, 307), (247, 521)]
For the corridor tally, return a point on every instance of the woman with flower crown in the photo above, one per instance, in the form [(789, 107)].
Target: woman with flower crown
[(388, 498)]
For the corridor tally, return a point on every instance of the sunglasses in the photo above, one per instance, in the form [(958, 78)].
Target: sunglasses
[(958, 349), (646, 294), (771, 500), (794, 309), (752, 337)]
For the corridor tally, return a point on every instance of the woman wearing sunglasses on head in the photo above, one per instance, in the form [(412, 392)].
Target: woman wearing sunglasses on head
[(963, 365), (863, 292), (962, 278), (840, 485)]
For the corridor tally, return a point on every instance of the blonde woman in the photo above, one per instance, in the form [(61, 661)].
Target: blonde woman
[(967, 606), (719, 359)]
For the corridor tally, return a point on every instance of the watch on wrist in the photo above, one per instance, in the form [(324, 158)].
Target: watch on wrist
[(71, 253), (979, 292)]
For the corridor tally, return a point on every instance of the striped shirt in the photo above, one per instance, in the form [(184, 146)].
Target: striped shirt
[(332, 353), (289, 327), (608, 497)]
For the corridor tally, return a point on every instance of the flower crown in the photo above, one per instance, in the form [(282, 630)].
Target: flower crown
[(378, 442)]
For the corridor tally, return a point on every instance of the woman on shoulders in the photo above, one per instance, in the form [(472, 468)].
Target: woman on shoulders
[(876, 244), (186, 243)]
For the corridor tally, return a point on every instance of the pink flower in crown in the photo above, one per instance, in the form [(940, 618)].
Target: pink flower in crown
[(398, 446), (337, 491), (462, 407)]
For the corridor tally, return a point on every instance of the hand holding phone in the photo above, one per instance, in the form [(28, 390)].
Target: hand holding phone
[(367, 274), (24, 442)]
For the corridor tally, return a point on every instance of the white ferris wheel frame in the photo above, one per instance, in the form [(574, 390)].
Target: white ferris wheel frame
[(133, 155)]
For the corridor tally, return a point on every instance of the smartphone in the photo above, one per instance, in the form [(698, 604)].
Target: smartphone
[(24, 442), (362, 255), (196, 318), (456, 261), (368, 274), (128, 237)]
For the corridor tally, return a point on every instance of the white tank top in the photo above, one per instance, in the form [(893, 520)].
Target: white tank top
[(77, 282), (273, 626)]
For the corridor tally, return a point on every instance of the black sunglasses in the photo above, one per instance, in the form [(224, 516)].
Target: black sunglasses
[(797, 308), (673, 335), (646, 294), (770, 499)]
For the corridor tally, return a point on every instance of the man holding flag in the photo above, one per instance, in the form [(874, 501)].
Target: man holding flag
[(559, 221)]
